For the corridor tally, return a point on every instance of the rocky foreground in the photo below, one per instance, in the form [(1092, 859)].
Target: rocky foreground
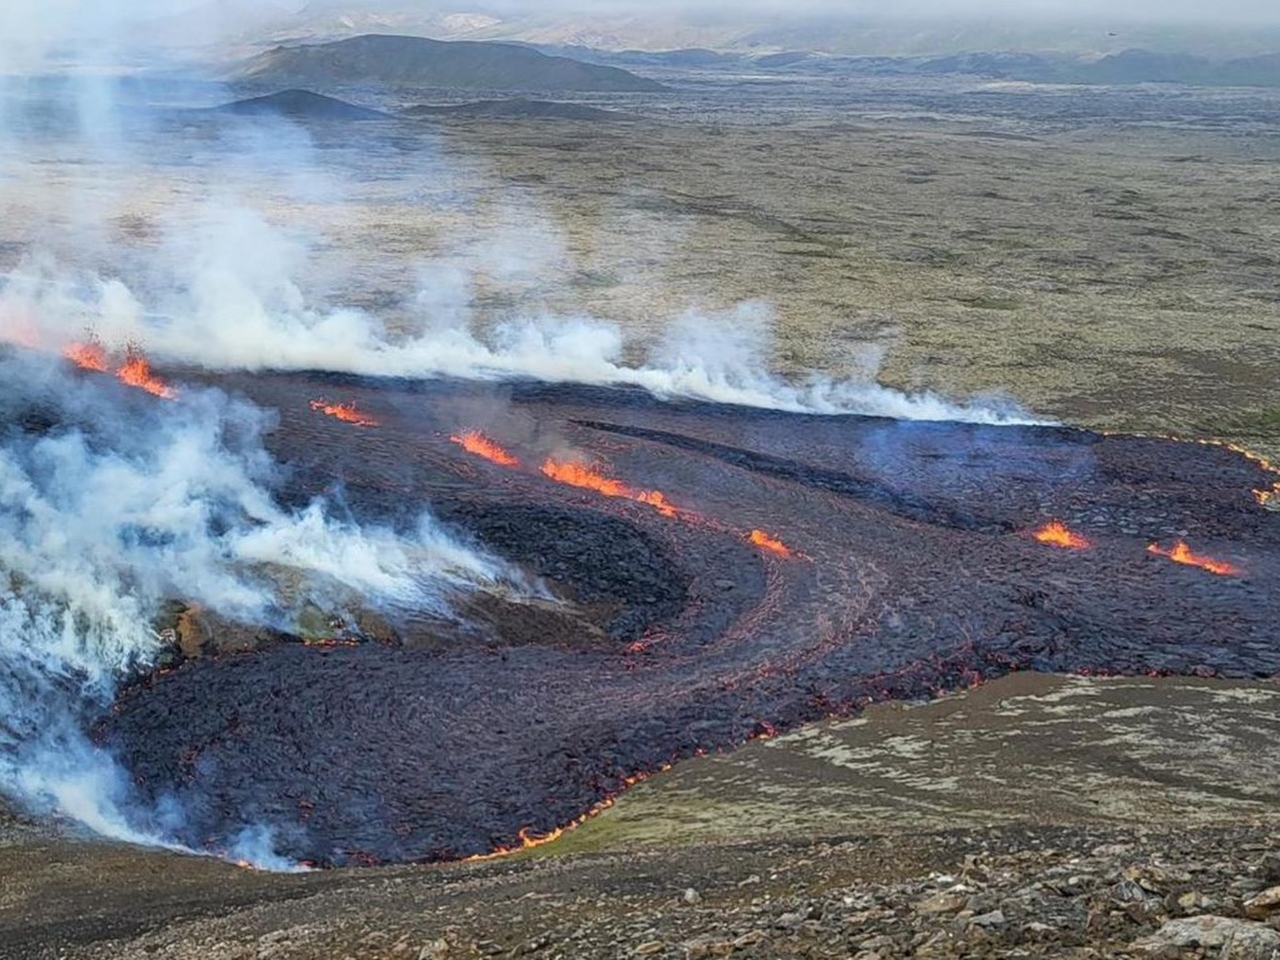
[(1033, 817), (999, 893)]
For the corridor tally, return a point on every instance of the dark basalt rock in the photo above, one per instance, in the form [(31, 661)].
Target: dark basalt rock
[(913, 572)]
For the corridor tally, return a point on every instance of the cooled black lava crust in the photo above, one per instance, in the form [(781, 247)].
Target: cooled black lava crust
[(914, 572)]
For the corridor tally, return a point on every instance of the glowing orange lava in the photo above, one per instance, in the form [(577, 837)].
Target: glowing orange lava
[(88, 355), (346, 412), (577, 475), (1181, 553), (1268, 497), (136, 372), (1056, 534), (772, 544), (528, 839), (475, 442)]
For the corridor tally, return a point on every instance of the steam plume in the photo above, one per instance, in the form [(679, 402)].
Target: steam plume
[(110, 504)]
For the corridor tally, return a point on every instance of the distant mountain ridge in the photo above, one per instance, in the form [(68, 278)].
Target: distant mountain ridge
[(1126, 67), (755, 30), (417, 62)]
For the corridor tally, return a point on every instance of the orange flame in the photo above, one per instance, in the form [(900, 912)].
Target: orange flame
[(576, 475), (346, 412), (772, 544), (475, 442), (89, 355), (136, 372), (1056, 534), (1181, 553)]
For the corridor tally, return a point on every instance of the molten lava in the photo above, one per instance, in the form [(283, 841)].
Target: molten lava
[(528, 839), (136, 372), (88, 355), (577, 475), (346, 412), (772, 544), (1269, 497), (1056, 534), (1181, 553), (475, 442)]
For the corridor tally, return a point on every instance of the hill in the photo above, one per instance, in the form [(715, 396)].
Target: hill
[(394, 61), (300, 105)]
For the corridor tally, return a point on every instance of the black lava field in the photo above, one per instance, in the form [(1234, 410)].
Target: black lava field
[(894, 560)]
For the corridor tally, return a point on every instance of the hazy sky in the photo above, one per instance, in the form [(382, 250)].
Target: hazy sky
[(34, 11), (1256, 10), (35, 26)]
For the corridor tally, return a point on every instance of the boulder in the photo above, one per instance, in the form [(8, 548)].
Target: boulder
[(1239, 939)]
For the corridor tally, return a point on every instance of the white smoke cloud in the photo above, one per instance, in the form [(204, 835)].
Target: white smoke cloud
[(238, 307), (108, 508)]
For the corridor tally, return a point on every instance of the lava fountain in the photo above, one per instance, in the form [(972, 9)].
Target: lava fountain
[(136, 372), (87, 355)]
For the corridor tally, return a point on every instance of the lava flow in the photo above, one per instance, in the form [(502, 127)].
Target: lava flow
[(577, 475), (645, 641), (475, 442), (1181, 553), (772, 544), (346, 412), (1055, 533)]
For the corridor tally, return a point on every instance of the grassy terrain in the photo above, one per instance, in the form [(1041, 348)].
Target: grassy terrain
[(1124, 283), (1114, 273)]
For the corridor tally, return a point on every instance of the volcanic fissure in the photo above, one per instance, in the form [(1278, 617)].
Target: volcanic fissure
[(701, 575)]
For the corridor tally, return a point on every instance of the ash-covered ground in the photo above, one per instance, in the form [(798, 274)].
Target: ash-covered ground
[(901, 561)]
